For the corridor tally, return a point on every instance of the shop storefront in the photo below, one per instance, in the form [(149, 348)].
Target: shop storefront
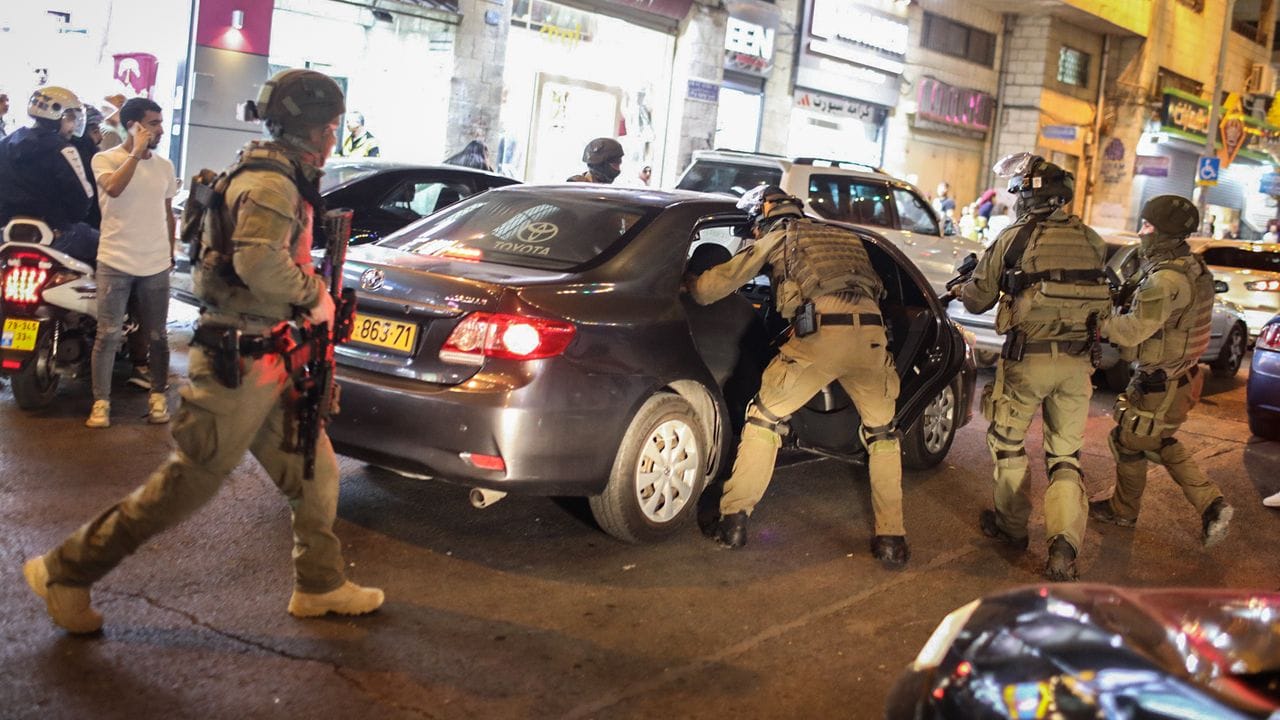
[(748, 62), (394, 63), (1166, 161), (848, 76), (593, 68), (949, 130)]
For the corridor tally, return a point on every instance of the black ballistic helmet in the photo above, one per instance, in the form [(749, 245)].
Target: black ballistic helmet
[(1171, 215), (1036, 181), (602, 151)]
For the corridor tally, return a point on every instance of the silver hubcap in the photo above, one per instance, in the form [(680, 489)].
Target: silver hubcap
[(667, 470), (939, 419), (1237, 347)]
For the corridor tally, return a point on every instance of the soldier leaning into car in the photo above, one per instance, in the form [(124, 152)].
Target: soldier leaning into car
[(1166, 330), (254, 275), (1046, 272), (823, 273)]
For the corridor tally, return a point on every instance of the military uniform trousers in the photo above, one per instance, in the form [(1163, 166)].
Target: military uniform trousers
[(1145, 427), (214, 427), (1061, 386), (858, 357)]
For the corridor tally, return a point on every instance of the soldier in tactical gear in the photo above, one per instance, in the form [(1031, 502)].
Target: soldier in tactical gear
[(823, 280), (257, 286), (603, 157), (1046, 272), (1166, 329)]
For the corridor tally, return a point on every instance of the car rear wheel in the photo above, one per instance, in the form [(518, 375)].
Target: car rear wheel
[(930, 438), (35, 385), (658, 474), (1232, 353)]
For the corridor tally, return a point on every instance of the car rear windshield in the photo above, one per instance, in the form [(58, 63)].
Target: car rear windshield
[(730, 178), (1243, 258), (525, 230)]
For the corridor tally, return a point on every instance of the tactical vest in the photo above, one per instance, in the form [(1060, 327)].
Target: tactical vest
[(816, 259), (1056, 284), (1185, 335)]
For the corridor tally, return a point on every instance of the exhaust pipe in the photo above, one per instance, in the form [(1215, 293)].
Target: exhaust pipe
[(482, 498)]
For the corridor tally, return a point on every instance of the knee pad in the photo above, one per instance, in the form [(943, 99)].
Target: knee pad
[(1119, 451), (1069, 463), (880, 438), (759, 415)]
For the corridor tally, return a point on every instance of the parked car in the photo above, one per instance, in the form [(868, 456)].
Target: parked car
[(1251, 271), (1263, 390), (536, 340), (1068, 650), (1229, 333), (385, 196)]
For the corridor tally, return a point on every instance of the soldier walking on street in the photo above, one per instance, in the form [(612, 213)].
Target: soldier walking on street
[(823, 280), (255, 280), (1046, 273), (1166, 330)]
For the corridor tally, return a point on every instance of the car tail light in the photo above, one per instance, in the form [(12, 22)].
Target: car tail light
[(1269, 338), (484, 462), (517, 337), (1263, 286), (24, 277)]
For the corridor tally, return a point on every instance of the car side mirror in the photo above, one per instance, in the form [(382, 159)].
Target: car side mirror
[(1220, 286)]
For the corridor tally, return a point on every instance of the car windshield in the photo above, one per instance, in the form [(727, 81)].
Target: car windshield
[(1254, 258), (336, 175), (729, 178), (525, 230)]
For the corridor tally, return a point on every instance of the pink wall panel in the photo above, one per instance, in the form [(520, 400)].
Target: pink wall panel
[(213, 25)]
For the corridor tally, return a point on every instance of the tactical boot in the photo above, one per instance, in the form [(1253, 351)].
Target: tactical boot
[(990, 526), (731, 530), (891, 550), (1101, 511), (1214, 522), (1062, 561), (67, 606), (349, 599)]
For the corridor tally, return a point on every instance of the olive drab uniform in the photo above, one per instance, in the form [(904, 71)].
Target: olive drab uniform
[(828, 265), (1046, 272), (1166, 330), (253, 273)]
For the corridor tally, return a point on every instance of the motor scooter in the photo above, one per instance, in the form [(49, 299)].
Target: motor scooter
[(48, 301)]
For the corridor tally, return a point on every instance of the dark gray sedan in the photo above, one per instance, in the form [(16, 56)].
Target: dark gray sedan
[(535, 339)]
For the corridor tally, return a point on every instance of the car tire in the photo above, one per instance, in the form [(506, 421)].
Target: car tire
[(35, 385), (929, 440), (658, 473), (1232, 353), (1264, 425)]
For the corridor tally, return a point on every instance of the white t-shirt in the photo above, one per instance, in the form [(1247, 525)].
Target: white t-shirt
[(135, 232)]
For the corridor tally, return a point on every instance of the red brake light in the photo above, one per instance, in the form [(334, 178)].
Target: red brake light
[(22, 283), (1263, 286), (516, 337), (1269, 338)]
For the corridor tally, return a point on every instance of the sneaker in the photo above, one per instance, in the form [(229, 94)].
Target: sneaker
[(100, 416), (141, 377), (891, 550), (1101, 511), (1272, 500), (1061, 566), (1214, 523), (731, 530), (157, 409), (350, 599), (989, 523), (68, 607)]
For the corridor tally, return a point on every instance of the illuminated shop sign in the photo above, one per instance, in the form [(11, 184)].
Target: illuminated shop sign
[(674, 9), (748, 48), (855, 48), (845, 107), (849, 22), (1187, 116), (957, 107)]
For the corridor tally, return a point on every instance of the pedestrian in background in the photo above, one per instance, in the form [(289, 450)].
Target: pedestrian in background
[(359, 142), (135, 252), (1166, 329), (4, 110), (1046, 273), (474, 155), (255, 275), (646, 174)]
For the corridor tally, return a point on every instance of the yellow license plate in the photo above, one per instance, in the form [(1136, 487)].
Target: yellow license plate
[(384, 333), (19, 334)]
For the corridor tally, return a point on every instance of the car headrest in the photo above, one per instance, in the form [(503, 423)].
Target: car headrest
[(706, 256)]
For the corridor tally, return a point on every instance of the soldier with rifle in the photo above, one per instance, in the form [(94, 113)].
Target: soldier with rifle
[(261, 364)]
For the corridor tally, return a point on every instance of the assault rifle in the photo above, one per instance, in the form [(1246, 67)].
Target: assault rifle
[(314, 367), (964, 271)]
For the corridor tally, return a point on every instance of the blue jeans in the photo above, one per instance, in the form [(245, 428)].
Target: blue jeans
[(114, 288), (78, 240)]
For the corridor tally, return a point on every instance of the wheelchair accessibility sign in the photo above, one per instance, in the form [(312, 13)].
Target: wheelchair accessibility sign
[(1207, 171)]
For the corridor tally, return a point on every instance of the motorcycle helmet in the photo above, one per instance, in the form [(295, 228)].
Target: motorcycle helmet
[(50, 104)]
